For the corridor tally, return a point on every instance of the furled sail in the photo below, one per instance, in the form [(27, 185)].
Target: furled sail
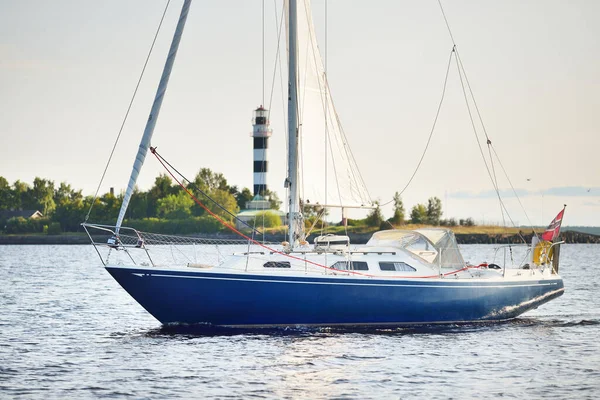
[(329, 174), (151, 123)]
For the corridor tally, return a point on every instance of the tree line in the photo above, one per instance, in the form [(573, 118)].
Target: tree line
[(165, 204), (166, 207)]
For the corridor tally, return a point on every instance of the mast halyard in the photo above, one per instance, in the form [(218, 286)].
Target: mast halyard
[(151, 123), (295, 216)]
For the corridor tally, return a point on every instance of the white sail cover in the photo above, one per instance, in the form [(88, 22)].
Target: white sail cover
[(329, 174)]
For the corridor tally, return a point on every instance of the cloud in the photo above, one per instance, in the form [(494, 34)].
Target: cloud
[(575, 191), (488, 194), (592, 203), (562, 191)]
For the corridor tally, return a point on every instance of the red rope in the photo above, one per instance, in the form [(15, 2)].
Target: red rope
[(236, 231)]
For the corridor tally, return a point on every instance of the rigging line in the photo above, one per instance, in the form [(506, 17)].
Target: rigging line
[(300, 112), (328, 100), (494, 178), (489, 145), (514, 191), (283, 108), (481, 149), (337, 183), (128, 110), (447, 24), (474, 128), (459, 62), (190, 183), (281, 85), (437, 114), (488, 141), (325, 36), (319, 215), (354, 170), (472, 95), (278, 27), (327, 136), (354, 164)]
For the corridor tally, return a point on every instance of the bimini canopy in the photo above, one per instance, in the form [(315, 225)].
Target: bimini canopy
[(435, 246)]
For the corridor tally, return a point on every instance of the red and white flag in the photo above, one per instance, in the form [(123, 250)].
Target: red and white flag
[(553, 229)]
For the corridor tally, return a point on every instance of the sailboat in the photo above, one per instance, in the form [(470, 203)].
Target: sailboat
[(398, 277)]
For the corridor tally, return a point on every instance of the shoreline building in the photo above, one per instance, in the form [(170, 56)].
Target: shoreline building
[(261, 132)]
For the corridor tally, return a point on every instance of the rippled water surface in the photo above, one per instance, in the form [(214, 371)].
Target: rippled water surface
[(67, 330)]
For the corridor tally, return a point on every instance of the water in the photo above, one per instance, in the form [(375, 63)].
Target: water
[(67, 330)]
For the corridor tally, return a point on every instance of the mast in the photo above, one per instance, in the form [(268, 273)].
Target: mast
[(291, 182), (149, 130)]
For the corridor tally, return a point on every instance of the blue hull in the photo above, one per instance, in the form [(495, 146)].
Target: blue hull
[(258, 300)]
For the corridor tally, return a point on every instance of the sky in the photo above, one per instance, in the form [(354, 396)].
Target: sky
[(68, 69)]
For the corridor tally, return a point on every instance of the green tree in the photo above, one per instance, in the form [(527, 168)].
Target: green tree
[(434, 211), (225, 200), (175, 206), (65, 194), (214, 185), (242, 197), (6, 195), (163, 186), (274, 202), (209, 181), (70, 214), (23, 196), (418, 214), (375, 217), (70, 210), (43, 195), (106, 208), (467, 222), (138, 205), (266, 219), (399, 214)]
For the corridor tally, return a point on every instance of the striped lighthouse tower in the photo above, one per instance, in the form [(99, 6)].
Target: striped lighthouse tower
[(261, 133)]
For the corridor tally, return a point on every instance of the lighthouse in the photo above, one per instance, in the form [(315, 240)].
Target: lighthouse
[(261, 133), (255, 208)]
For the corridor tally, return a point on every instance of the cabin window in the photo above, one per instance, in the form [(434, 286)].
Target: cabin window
[(277, 264), (395, 266), (351, 265)]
